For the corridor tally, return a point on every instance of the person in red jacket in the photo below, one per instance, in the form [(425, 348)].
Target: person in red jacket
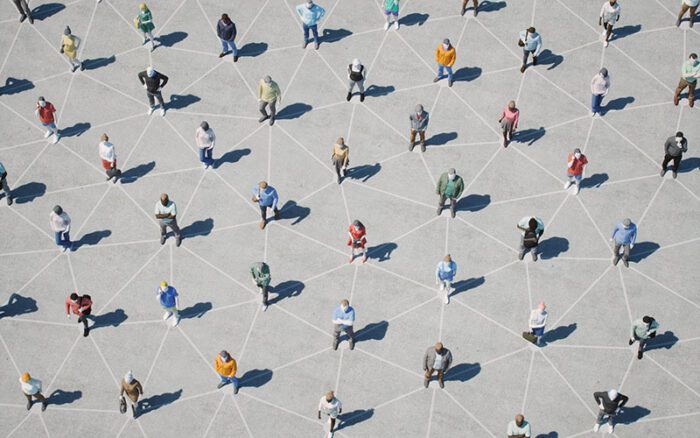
[(574, 172), (80, 305), (357, 241), (45, 111)]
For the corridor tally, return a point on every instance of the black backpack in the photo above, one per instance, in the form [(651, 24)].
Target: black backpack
[(356, 75)]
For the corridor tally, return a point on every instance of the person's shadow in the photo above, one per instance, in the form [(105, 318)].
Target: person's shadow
[(559, 333), (333, 35), (113, 318), (489, 6), (46, 10), (413, 19), (94, 64), (596, 180), (375, 331), (154, 402), (198, 228), (467, 74), (468, 284), (617, 104), (61, 397), (231, 157), (548, 435), (76, 130), (473, 202), (195, 311), (171, 39), (286, 289), (255, 378), (625, 31), (364, 172), (642, 250), (28, 192), (18, 305), (251, 50), (292, 210), (131, 175), (293, 111), (14, 86), (178, 101), (91, 239), (665, 340), (463, 372), (352, 418), (441, 139), (529, 136), (381, 252), (547, 57), (379, 90), (689, 164), (552, 247), (631, 414)]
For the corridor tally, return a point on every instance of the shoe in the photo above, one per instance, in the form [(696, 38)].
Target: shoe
[(630, 342), (316, 46), (153, 47), (162, 112), (439, 210), (264, 307), (411, 146), (348, 97), (576, 190), (205, 165), (437, 78), (422, 147), (29, 404), (596, 427), (43, 406), (678, 22), (449, 83), (176, 322), (567, 185), (522, 68), (9, 200), (453, 213), (605, 44), (335, 345), (63, 249), (263, 118), (178, 241), (82, 66), (22, 18), (86, 332), (150, 111), (441, 383), (663, 172), (272, 121), (306, 43), (593, 113), (351, 259), (611, 428), (426, 382), (534, 256), (133, 411), (235, 58), (676, 99), (447, 298), (691, 103), (352, 344), (521, 255), (626, 263), (166, 315), (262, 224), (362, 97), (47, 134), (235, 389), (464, 11), (675, 174), (220, 385), (396, 25), (31, 20), (386, 26), (145, 40), (162, 240), (615, 260), (503, 142), (73, 68), (222, 54), (640, 355), (364, 259), (337, 179), (534, 60), (56, 137)]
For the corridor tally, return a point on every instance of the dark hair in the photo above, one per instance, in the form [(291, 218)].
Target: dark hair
[(679, 134), (694, 55), (74, 296), (532, 224), (357, 223), (224, 17), (531, 29), (204, 126), (648, 320)]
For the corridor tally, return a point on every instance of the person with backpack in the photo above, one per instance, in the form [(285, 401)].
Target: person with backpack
[(261, 279), (4, 186), (356, 75), (80, 305), (109, 159), (642, 330), (133, 390), (531, 229), (357, 240)]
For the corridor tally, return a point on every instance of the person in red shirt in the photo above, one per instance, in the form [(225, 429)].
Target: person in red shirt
[(45, 111), (80, 305), (574, 173), (357, 241)]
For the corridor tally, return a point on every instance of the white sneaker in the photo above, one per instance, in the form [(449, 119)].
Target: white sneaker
[(396, 25), (64, 249), (205, 165), (611, 428), (264, 307), (176, 322), (56, 137), (596, 428), (576, 190), (386, 26), (447, 299), (593, 114), (150, 111), (605, 44), (48, 134), (166, 315), (162, 112), (567, 185)]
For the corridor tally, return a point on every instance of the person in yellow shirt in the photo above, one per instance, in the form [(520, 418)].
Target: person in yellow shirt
[(268, 94), (69, 47), (340, 158), (445, 56), (226, 366)]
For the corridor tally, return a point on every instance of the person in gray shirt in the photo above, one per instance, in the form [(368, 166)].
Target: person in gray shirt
[(419, 123), (673, 150)]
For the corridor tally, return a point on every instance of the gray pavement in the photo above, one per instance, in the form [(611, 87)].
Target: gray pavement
[(284, 355)]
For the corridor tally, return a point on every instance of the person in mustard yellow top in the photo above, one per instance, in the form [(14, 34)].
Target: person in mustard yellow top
[(268, 94), (69, 47), (445, 56), (226, 367), (340, 158)]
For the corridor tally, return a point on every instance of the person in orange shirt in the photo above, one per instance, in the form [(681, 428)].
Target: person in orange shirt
[(226, 366), (45, 112), (445, 56)]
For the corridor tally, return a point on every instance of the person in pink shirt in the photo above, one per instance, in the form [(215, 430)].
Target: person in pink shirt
[(509, 122), (574, 171)]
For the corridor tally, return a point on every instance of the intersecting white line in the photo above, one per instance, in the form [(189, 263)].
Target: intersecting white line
[(583, 295), (527, 381)]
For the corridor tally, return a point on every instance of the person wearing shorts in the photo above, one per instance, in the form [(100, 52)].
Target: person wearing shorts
[(391, 10)]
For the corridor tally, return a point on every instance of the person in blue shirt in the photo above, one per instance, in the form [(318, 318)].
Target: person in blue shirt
[(531, 42), (266, 197), (444, 275), (310, 13), (624, 235), (170, 301), (4, 186), (343, 320)]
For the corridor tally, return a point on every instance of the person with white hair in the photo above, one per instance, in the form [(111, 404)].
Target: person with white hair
[(205, 138), (610, 404), (310, 14), (269, 94), (356, 75), (600, 85), (133, 390), (153, 82), (537, 322)]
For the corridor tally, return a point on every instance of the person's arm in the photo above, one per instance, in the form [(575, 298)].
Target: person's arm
[(320, 12), (260, 90), (437, 54), (212, 139), (598, 397), (516, 119), (459, 186), (538, 49), (121, 393), (139, 388), (437, 273), (235, 32), (275, 199), (453, 57), (300, 11), (66, 221), (197, 139), (142, 78), (177, 302), (684, 146), (68, 308), (425, 361), (162, 79), (77, 41), (278, 94), (633, 237), (612, 237), (84, 306), (667, 146), (571, 161), (320, 405), (623, 401)]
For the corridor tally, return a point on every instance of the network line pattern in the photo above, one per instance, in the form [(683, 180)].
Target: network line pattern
[(285, 358)]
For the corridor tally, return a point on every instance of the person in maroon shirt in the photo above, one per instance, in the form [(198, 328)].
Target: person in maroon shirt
[(80, 305), (574, 172)]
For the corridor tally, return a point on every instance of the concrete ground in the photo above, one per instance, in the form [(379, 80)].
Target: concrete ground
[(285, 358)]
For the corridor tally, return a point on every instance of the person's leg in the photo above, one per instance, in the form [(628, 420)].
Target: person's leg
[(616, 253), (65, 239), (331, 421), (599, 419), (664, 163), (411, 139), (159, 96), (351, 85), (577, 181), (151, 39), (201, 155), (337, 166), (306, 35), (450, 78), (224, 47), (8, 192), (608, 31), (314, 30), (533, 253), (676, 164), (29, 400), (351, 336), (523, 250), (691, 93), (262, 108), (163, 231), (421, 134), (176, 229), (525, 56), (151, 100), (361, 87), (625, 254), (640, 351), (441, 203), (684, 9), (428, 375), (273, 109), (336, 335), (595, 103), (264, 292), (234, 49), (440, 72), (692, 15), (679, 89), (263, 213), (208, 156), (440, 375), (453, 206)]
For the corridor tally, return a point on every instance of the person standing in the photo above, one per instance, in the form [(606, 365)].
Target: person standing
[(610, 403), (391, 9), (537, 322), (226, 31), (226, 367), (509, 122), (80, 305), (330, 406), (450, 186), (531, 229), (46, 113), (144, 23), (60, 225), (24, 11), (109, 159), (643, 329), (574, 169), (268, 94), (531, 42), (357, 240), (266, 197), (673, 150), (69, 47), (170, 301), (464, 7), (310, 14), (609, 15), (205, 138), (519, 428), (340, 158), (261, 279), (133, 390), (3, 184), (343, 320), (437, 358), (419, 123), (31, 388), (624, 235), (686, 5), (690, 72), (153, 82), (445, 55), (444, 276), (600, 85), (356, 75), (166, 213)]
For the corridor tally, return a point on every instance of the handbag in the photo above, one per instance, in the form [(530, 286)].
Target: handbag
[(528, 336), (122, 405), (521, 43)]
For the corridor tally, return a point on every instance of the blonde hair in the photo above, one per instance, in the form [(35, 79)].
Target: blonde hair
[(104, 137)]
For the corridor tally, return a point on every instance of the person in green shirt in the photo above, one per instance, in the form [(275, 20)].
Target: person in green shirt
[(689, 78), (261, 279), (391, 9), (450, 186), (144, 23), (643, 330)]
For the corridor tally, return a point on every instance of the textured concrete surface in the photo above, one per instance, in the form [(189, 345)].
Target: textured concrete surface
[(284, 354)]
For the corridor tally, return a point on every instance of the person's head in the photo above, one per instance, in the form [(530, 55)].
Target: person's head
[(129, 377), (519, 419), (58, 210), (41, 101), (104, 137), (511, 104), (577, 153), (531, 29), (679, 136), (532, 224), (356, 62), (647, 320), (693, 57), (451, 173), (309, 4), (439, 347), (344, 304), (204, 126), (541, 306), (446, 43), (627, 223), (603, 72), (419, 109), (267, 79), (329, 396), (224, 355), (26, 377), (612, 2), (143, 7), (74, 297), (262, 185), (357, 224), (164, 199), (163, 286), (612, 394), (151, 72), (340, 141), (447, 259), (67, 31), (225, 19)]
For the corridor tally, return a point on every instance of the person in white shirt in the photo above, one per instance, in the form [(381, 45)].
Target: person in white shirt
[(109, 159), (332, 407), (519, 428), (609, 15), (600, 85), (166, 213), (531, 42), (538, 321), (31, 388), (688, 5), (60, 225), (205, 138)]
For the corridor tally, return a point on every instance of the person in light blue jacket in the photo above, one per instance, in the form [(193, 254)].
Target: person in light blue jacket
[(266, 197), (310, 13), (444, 275), (624, 235), (531, 42)]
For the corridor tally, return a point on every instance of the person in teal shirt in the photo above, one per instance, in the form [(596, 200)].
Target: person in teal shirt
[(261, 279), (144, 23), (450, 186), (3, 184), (690, 72), (643, 330), (391, 9)]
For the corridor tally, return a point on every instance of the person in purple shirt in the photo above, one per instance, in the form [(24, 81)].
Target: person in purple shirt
[(343, 320), (624, 235), (266, 197)]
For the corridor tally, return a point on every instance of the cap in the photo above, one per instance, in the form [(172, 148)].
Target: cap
[(163, 284), (26, 377), (627, 222)]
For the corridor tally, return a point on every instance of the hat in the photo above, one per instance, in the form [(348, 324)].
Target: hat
[(446, 41), (204, 125), (451, 171), (163, 283), (577, 151), (129, 377), (66, 31), (150, 71), (26, 377), (612, 394), (57, 209), (604, 72), (627, 222)]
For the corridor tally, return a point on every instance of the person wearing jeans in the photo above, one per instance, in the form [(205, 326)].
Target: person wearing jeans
[(537, 322), (624, 235), (46, 113), (80, 305), (226, 367), (610, 404), (205, 138), (600, 85), (3, 184), (642, 330), (266, 197), (445, 55), (686, 5), (153, 82), (444, 276), (531, 42), (310, 13), (531, 229), (673, 150), (690, 73), (166, 213), (60, 225), (226, 31)]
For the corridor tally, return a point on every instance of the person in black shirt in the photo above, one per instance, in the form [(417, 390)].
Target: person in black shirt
[(610, 404), (673, 151), (153, 82), (356, 75)]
